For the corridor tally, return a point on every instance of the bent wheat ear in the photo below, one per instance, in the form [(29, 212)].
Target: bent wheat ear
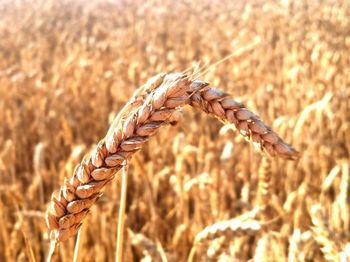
[(219, 104), (230, 228), (217, 235), (157, 104)]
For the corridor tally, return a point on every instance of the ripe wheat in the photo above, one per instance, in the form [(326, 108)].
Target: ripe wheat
[(159, 101)]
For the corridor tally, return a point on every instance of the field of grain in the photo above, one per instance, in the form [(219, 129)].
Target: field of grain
[(197, 190)]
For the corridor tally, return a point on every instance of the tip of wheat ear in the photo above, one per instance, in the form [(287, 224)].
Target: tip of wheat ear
[(156, 105), (218, 103)]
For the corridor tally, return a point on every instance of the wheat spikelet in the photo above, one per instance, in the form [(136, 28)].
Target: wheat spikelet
[(134, 125)]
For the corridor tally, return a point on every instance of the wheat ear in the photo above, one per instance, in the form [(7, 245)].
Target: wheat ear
[(245, 224), (229, 228), (132, 129), (226, 230), (145, 246)]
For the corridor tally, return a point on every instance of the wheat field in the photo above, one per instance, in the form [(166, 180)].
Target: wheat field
[(197, 190)]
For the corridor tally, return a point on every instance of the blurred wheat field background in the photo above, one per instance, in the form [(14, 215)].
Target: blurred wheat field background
[(67, 68)]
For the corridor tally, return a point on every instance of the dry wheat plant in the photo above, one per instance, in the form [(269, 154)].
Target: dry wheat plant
[(70, 73)]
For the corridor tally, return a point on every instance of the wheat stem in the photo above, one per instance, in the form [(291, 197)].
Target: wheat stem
[(52, 251), (79, 243), (121, 219)]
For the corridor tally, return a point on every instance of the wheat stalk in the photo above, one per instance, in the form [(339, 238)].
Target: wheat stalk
[(121, 218), (264, 178), (158, 106)]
